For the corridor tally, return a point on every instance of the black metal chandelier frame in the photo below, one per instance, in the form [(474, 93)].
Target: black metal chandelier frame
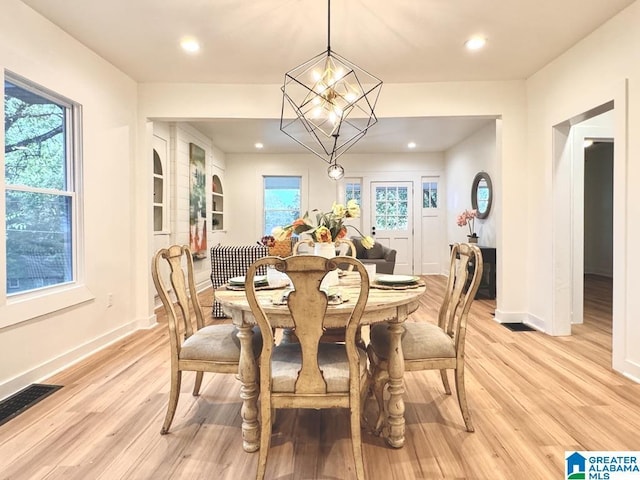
[(328, 104)]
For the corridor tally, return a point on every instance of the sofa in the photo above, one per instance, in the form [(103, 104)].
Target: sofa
[(383, 257)]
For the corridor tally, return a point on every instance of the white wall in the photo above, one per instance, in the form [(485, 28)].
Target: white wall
[(601, 68), (34, 48), (476, 153)]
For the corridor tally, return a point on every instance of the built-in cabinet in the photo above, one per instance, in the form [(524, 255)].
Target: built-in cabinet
[(217, 204), (158, 193)]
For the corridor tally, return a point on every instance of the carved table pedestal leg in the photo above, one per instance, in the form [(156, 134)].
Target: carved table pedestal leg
[(247, 373), (395, 417)]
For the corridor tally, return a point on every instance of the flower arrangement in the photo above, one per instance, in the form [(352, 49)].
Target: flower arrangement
[(328, 226), (467, 218)]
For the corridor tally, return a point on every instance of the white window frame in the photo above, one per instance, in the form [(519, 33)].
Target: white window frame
[(21, 306)]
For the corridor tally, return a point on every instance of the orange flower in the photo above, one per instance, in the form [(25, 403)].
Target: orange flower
[(323, 234)]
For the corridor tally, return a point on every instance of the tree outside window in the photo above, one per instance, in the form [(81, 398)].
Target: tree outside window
[(353, 191), (391, 208), (281, 201), (39, 187)]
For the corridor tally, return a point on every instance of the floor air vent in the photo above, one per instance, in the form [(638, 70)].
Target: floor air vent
[(17, 403), (518, 327)]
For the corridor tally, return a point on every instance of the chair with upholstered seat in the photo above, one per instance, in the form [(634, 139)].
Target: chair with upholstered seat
[(198, 348), (344, 246), (310, 373), (426, 346)]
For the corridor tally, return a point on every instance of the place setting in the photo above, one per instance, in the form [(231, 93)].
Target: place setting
[(335, 296), (397, 282), (261, 282)]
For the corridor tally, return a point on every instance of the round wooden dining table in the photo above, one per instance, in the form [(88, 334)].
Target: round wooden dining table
[(384, 304)]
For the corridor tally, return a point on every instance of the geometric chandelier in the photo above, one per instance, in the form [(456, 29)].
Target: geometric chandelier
[(328, 104)]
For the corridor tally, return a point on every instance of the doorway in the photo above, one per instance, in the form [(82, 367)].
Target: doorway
[(568, 222), (598, 233), (392, 220)]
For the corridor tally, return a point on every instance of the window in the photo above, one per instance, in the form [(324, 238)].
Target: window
[(429, 195), (281, 201), (41, 156), (392, 207), (353, 190)]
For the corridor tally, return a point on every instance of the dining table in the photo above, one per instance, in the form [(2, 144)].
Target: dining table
[(387, 302)]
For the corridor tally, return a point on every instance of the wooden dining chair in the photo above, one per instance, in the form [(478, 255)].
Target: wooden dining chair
[(310, 373), (194, 347), (350, 252), (306, 244), (427, 346)]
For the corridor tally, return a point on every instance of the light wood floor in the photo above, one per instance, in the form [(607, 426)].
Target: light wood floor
[(531, 398)]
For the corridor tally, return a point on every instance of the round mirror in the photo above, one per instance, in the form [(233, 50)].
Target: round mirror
[(481, 194)]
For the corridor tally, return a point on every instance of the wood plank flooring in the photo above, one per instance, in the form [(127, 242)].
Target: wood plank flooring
[(531, 398)]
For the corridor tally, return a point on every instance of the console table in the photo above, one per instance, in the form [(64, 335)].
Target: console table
[(487, 288)]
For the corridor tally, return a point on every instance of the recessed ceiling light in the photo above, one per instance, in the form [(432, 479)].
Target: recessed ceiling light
[(411, 145), (259, 145), (190, 45), (475, 43)]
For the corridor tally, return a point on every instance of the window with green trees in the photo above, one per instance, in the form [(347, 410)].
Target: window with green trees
[(353, 190), (281, 201), (41, 145)]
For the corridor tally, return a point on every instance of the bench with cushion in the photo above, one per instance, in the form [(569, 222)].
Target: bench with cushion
[(228, 261), (382, 256)]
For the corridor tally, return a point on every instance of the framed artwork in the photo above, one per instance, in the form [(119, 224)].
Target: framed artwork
[(197, 202)]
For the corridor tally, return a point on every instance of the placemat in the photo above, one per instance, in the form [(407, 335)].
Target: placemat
[(380, 286), (240, 288)]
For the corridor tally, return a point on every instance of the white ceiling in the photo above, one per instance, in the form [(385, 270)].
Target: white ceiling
[(399, 41), (389, 135)]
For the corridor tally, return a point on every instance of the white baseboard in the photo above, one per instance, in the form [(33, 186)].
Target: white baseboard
[(510, 317), (55, 365), (629, 369)]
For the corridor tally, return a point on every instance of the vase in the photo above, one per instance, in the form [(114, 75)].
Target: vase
[(327, 250), (472, 238)]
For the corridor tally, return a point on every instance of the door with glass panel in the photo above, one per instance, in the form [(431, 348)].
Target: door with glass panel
[(432, 228), (391, 220)]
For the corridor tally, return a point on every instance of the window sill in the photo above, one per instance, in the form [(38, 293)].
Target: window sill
[(26, 307)]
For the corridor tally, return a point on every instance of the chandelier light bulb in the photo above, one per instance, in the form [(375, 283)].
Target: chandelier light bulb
[(190, 45), (350, 97), (475, 43), (335, 171)]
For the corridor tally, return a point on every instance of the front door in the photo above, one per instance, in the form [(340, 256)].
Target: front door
[(391, 220)]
